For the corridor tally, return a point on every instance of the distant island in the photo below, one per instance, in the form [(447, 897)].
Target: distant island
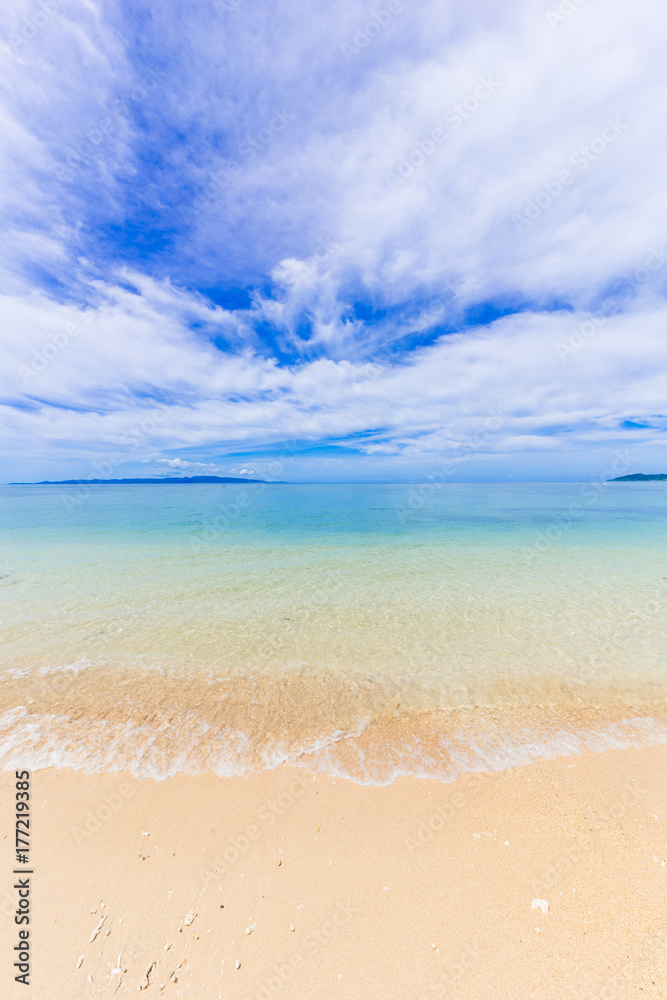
[(638, 477), (138, 482)]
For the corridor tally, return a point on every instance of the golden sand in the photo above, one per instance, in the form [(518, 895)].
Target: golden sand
[(540, 882)]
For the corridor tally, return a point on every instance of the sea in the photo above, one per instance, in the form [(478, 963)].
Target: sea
[(369, 631)]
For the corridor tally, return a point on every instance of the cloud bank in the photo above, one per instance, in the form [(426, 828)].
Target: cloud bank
[(387, 236)]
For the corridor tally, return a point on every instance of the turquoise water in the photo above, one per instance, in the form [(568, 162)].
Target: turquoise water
[(218, 626)]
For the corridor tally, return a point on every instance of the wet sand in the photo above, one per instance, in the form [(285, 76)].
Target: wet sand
[(419, 889)]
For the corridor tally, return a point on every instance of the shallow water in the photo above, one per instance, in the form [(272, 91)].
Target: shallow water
[(227, 628)]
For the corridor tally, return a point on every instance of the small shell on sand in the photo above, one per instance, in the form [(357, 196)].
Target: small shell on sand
[(237, 964), (540, 904), (189, 917), (80, 962), (292, 927), (250, 929)]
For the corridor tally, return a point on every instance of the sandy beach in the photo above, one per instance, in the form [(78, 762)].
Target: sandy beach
[(537, 882)]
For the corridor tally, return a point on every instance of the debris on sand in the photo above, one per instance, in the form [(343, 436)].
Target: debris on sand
[(146, 981), (97, 929)]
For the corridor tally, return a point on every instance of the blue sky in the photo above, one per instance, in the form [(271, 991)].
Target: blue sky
[(354, 242)]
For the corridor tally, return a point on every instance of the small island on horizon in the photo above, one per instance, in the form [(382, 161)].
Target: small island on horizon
[(638, 477), (138, 482)]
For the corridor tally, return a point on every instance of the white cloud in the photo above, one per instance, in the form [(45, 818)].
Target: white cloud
[(314, 220), (550, 384), (185, 466)]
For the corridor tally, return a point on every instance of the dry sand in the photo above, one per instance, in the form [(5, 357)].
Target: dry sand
[(416, 890)]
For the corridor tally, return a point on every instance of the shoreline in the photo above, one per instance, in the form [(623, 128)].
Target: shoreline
[(369, 877), (436, 745), (157, 725)]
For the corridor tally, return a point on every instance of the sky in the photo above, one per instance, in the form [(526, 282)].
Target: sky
[(332, 241)]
